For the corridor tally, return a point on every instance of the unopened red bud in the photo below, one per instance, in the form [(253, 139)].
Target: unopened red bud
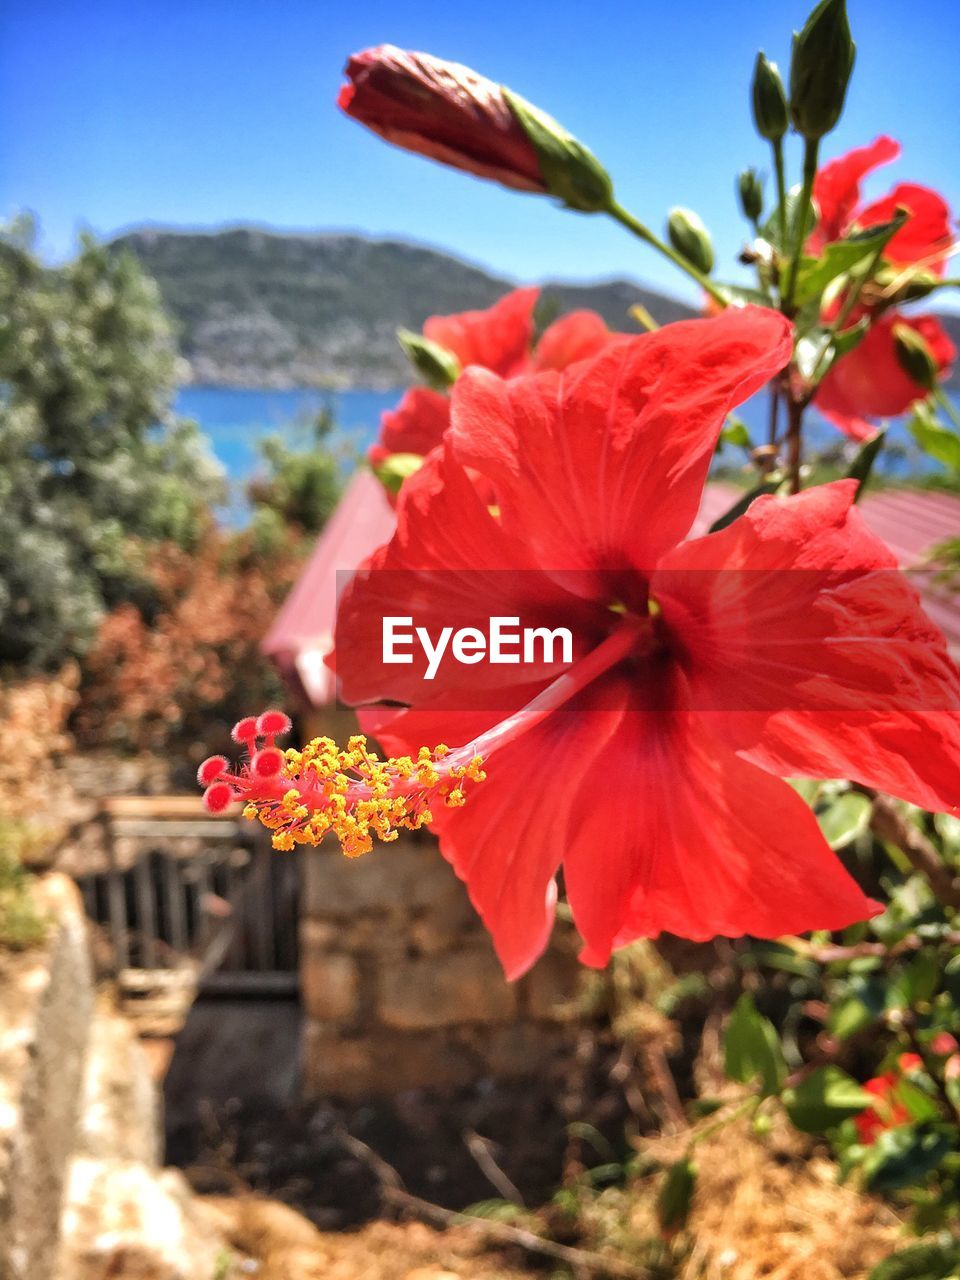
[(449, 113)]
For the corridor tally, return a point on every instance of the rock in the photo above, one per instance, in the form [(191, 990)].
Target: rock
[(409, 874), (330, 985), (46, 995), (124, 1218), (467, 987)]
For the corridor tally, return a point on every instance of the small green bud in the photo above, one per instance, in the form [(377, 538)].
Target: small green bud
[(691, 239), (823, 55), (393, 470), (570, 170), (750, 190), (769, 100), (435, 364), (915, 357)]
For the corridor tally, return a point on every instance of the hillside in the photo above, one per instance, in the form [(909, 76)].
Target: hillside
[(254, 308)]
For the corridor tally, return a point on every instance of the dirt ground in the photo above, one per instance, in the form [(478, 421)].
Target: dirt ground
[(764, 1210)]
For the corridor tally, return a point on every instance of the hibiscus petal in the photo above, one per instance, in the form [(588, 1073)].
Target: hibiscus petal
[(498, 338), (604, 466), (506, 843), (809, 650), (573, 337), (927, 234), (675, 833), (451, 566), (416, 425), (837, 188)]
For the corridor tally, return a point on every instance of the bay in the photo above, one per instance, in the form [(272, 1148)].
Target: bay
[(236, 419)]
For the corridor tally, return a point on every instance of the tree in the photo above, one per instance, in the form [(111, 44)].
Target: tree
[(93, 463)]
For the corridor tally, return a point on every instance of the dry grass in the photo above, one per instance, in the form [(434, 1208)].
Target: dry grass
[(773, 1210)]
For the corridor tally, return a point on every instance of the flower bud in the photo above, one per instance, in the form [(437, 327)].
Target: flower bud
[(395, 468), (820, 68), (915, 357), (449, 113), (769, 100), (571, 171), (691, 239), (437, 366), (750, 190)]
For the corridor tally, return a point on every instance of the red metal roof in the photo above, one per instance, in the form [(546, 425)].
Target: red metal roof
[(302, 632), (910, 521)]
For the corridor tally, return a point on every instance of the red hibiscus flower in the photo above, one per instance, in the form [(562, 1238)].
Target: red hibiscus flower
[(869, 383), (925, 237), (785, 644), (499, 339), (887, 1111), (415, 426), (441, 110)]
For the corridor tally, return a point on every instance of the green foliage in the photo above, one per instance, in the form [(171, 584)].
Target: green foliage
[(90, 457), (752, 1050), (927, 1260), (824, 1099), (935, 439), (22, 924), (301, 487)]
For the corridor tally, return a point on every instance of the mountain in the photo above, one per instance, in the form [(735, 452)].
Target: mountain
[(258, 308)]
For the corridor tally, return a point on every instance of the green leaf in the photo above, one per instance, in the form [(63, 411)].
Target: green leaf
[(850, 1015), (824, 1099), (735, 432), (820, 349), (903, 1157), (740, 506), (840, 257), (933, 437), (742, 296), (844, 818), (676, 1195), (770, 231), (752, 1049), (927, 1260), (862, 465), (916, 982)]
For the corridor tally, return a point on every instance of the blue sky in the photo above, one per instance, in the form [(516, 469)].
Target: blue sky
[(203, 112)]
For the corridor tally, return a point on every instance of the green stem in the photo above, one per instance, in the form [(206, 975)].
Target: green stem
[(781, 189), (644, 233), (945, 403), (811, 155), (795, 410), (849, 302), (727, 1117)]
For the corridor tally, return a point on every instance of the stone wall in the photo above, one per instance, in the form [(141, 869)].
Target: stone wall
[(46, 998), (81, 1193), (401, 986)]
